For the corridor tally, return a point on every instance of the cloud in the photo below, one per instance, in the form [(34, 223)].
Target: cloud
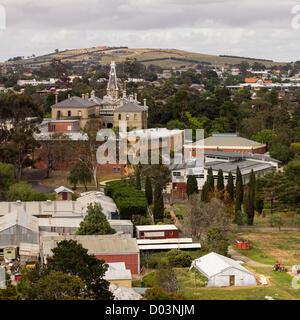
[(248, 27)]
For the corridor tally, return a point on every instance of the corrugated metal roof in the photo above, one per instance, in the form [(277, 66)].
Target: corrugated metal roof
[(230, 141), (164, 241), (98, 244), (157, 227), (170, 246), (117, 271), (29, 249), (123, 293), (63, 189), (19, 218), (213, 263)]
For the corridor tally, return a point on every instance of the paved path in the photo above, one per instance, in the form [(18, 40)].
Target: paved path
[(238, 256), (34, 176), (176, 221)]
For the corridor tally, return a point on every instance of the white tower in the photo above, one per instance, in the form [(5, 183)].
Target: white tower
[(112, 86)]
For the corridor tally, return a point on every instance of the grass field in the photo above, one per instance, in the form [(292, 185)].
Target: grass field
[(119, 55), (269, 247)]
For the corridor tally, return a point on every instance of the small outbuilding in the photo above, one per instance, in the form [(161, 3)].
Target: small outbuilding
[(165, 231), (118, 274), (63, 193), (223, 272)]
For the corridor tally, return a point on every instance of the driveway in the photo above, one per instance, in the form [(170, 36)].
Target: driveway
[(34, 176), (238, 256)]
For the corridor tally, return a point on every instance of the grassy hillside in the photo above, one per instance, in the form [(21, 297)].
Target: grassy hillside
[(166, 58)]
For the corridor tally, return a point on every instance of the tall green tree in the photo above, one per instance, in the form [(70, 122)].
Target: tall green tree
[(251, 197), (210, 180), (149, 191), (220, 181), (71, 258), (230, 187), (138, 178), (158, 209), (6, 177), (192, 185), (95, 222), (80, 173), (205, 192), (239, 190)]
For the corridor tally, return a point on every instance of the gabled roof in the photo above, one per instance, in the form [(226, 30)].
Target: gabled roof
[(63, 189), (20, 218), (75, 102), (230, 140), (131, 107), (213, 264), (158, 227)]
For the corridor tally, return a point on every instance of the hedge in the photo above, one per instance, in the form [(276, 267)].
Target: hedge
[(129, 200)]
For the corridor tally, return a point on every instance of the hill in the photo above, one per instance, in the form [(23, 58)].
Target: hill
[(165, 58)]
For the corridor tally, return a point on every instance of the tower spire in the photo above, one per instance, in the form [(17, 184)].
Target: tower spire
[(112, 86)]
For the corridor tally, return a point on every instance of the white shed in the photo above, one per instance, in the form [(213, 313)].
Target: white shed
[(223, 272)]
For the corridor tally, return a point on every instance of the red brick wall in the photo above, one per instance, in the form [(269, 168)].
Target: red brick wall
[(60, 126), (131, 260)]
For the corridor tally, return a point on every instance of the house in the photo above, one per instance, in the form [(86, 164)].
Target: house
[(157, 231), (118, 274), (223, 272), (110, 248), (63, 193)]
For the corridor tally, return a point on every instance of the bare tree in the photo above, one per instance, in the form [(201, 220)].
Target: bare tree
[(204, 215)]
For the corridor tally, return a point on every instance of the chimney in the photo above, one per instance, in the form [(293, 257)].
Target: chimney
[(56, 98), (145, 100), (69, 96), (87, 96), (135, 96)]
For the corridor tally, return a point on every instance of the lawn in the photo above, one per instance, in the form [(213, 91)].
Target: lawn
[(269, 247), (280, 287)]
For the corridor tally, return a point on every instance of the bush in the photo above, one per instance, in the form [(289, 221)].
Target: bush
[(177, 258), (149, 280), (240, 218), (24, 192)]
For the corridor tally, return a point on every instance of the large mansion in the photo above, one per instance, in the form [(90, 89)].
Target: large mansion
[(111, 109)]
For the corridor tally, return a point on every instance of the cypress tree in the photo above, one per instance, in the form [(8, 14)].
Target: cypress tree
[(239, 190), (251, 198), (148, 191), (205, 192), (191, 186), (210, 180), (259, 197), (158, 209), (230, 187), (220, 181), (138, 178)]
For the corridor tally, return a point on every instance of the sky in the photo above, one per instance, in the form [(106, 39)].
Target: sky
[(267, 29)]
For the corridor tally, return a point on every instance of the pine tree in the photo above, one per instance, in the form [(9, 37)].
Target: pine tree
[(138, 178), (149, 191), (95, 222), (210, 180), (251, 198), (239, 190), (220, 181), (191, 186), (230, 187), (158, 209)]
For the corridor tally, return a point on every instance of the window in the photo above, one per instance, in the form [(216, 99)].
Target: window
[(69, 128), (53, 229), (176, 174), (58, 114), (119, 169), (135, 116), (115, 169), (69, 113), (79, 113), (120, 117), (53, 127), (171, 233), (142, 234), (127, 116)]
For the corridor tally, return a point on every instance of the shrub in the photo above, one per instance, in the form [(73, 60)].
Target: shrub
[(178, 258), (149, 280)]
